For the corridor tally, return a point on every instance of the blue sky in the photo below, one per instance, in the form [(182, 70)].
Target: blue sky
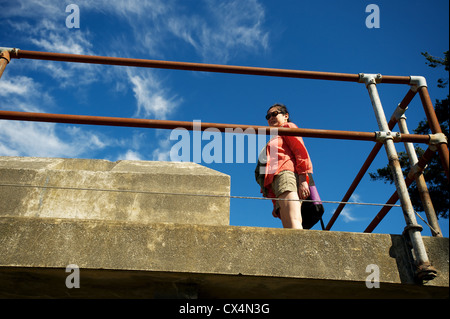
[(305, 35)]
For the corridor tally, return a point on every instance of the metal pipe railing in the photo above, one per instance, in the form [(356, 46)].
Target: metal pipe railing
[(7, 53), (424, 269), (232, 128), (203, 67), (393, 120)]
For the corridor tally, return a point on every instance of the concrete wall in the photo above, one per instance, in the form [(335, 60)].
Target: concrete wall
[(140, 258), (144, 194)]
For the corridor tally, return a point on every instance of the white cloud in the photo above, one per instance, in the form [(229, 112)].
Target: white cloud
[(347, 213), (61, 42), (130, 155), (46, 140), (20, 138), (45, 28), (217, 31), (130, 9), (152, 100), (228, 28), (20, 85), (33, 9), (162, 152), (23, 93)]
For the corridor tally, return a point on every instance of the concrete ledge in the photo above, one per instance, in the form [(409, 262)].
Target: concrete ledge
[(65, 183), (205, 261)]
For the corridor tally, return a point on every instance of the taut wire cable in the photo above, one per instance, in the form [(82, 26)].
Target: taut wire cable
[(189, 194), (202, 195)]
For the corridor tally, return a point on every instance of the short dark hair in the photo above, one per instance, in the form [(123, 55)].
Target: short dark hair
[(282, 108)]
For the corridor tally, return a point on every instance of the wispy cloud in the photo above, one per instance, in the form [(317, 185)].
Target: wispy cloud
[(22, 93), (46, 140), (347, 213), (152, 100), (216, 31), (19, 138), (228, 28), (136, 149), (61, 42), (130, 155), (162, 151)]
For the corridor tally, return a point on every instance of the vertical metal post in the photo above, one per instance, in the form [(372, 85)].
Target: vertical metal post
[(424, 270), (420, 181)]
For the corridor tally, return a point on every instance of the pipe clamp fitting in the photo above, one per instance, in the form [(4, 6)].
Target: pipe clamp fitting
[(370, 78), (417, 82), (436, 139), (382, 136), (6, 53), (399, 112)]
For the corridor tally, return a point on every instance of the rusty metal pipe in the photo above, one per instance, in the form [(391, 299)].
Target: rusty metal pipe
[(164, 124), (403, 105), (420, 182), (412, 229), (37, 55), (4, 60), (424, 159), (434, 126)]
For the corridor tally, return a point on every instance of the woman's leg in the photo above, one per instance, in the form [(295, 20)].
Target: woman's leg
[(290, 210)]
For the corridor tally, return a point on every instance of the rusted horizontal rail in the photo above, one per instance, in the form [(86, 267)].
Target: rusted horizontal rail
[(231, 128), (203, 67)]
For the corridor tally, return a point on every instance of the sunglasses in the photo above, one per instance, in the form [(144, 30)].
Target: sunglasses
[(274, 113)]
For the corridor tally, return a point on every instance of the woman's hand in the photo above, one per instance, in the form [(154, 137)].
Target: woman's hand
[(276, 212), (303, 188)]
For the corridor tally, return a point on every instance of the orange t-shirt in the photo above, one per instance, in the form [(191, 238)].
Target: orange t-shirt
[(286, 153)]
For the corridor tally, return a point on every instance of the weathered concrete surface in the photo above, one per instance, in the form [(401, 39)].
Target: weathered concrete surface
[(135, 260), (65, 182), (139, 244)]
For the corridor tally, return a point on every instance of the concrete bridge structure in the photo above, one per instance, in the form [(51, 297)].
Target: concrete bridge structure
[(134, 230)]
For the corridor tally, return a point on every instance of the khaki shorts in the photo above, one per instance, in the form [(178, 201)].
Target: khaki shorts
[(285, 181)]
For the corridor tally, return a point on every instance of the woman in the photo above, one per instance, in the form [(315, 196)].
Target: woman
[(287, 166)]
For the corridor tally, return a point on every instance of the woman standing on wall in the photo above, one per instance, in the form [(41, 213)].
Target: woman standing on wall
[(286, 171)]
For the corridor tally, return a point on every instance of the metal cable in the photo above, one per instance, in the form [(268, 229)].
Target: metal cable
[(205, 195), (191, 194)]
